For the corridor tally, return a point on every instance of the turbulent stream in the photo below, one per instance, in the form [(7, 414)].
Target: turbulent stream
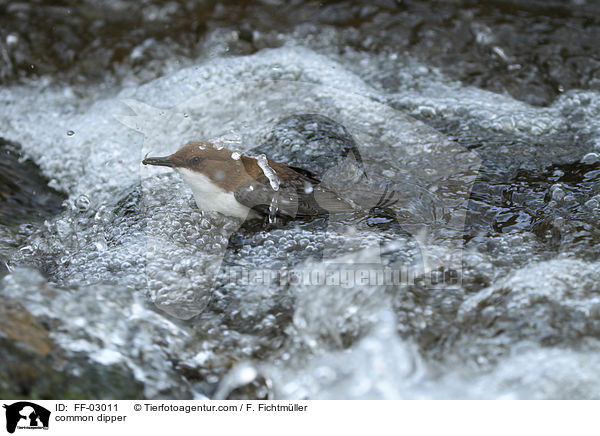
[(483, 118)]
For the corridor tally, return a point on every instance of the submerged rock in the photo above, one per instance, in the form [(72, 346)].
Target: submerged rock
[(33, 366), (25, 196), (53, 336)]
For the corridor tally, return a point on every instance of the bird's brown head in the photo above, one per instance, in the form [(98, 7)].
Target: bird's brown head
[(223, 166), (194, 156)]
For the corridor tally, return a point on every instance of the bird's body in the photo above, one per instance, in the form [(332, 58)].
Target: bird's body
[(225, 181), (211, 197)]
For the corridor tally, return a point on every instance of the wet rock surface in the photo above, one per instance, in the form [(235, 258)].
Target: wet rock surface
[(24, 192), (26, 199), (534, 51), (483, 117), (34, 366)]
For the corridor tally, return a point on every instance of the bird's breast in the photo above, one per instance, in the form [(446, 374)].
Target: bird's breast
[(211, 197)]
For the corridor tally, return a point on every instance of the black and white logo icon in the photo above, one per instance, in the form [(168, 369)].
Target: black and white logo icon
[(26, 415)]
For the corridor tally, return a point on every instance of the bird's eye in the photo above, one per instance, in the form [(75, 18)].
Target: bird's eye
[(196, 160)]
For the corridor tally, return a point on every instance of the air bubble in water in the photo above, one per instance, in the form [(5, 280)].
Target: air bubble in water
[(82, 203)]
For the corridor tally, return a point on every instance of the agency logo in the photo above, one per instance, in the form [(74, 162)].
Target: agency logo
[(26, 416)]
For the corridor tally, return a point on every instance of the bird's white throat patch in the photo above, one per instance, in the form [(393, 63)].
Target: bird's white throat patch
[(211, 197)]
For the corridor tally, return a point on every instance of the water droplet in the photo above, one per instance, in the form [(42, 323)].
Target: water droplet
[(12, 39), (273, 211), (271, 175), (26, 250), (591, 158), (82, 203), (557, 192)]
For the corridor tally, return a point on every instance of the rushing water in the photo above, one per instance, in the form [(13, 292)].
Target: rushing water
[(493, 150)]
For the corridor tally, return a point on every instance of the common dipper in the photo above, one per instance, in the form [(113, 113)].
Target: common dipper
[(228, 182)]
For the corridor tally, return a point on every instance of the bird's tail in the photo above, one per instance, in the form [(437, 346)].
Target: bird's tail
[(387, 199)]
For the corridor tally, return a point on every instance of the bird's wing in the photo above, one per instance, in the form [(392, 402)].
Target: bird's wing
[(260, 196), (330, 202), (308, 174), (299, 196)]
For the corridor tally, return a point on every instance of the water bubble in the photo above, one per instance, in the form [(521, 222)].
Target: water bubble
[(212, 378), (82, 203), (12, 39), (593, 203), (101, 245), (26, 229), (427, 111), (590, 158), (28, 249), (64, 228), (70, 133), (557, 192)]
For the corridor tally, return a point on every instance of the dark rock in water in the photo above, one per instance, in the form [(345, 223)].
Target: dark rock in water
[(32, 365), (310, 141), (23, 330), (24, 192), (3, 267), (24, 350), (521, 47), (558, 202), (130, 204)]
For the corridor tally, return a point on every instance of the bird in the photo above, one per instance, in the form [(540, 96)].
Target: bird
[(236, 185)]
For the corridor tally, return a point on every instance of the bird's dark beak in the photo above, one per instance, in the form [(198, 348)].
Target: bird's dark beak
[(159, 161)]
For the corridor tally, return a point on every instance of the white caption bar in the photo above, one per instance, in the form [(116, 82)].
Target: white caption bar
[(298, 417)]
